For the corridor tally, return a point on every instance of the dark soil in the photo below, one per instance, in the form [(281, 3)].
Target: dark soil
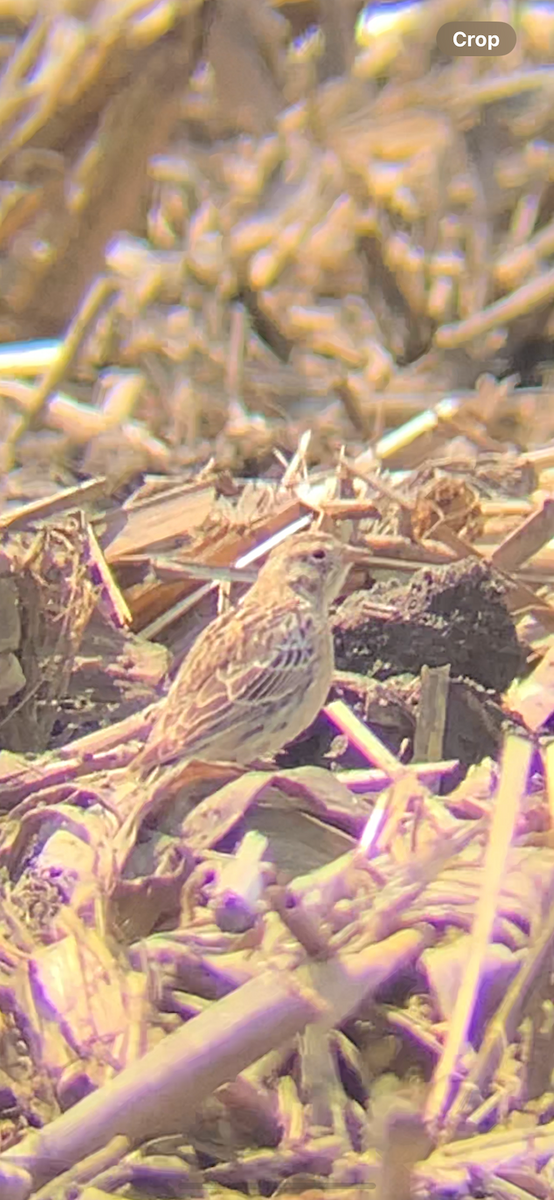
[(455, 614)]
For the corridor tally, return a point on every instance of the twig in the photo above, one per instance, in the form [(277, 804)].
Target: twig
[(503, 1026), (533, 698), (524, 542), (536, 292), (97, 294), (514, 772), (431, 713), (161, 1092), (364, 739), (39, 510)]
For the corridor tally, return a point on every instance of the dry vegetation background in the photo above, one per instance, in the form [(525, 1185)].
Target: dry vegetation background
[(263, 265)]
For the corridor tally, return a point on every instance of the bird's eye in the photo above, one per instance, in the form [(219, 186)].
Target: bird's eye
[(319, 554)]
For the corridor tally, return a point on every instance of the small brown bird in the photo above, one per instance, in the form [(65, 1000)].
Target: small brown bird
[(257, 676)]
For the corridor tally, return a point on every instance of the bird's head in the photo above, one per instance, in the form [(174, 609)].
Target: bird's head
[(314, 565)]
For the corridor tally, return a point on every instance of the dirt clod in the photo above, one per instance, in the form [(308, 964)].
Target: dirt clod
[(454, 614)]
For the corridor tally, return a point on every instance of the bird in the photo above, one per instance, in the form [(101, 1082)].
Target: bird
[(258, 675)]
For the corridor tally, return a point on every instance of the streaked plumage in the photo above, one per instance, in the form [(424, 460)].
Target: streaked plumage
[(256, 676)]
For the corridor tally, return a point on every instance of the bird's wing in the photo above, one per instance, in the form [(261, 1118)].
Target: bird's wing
[(237, 672)]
